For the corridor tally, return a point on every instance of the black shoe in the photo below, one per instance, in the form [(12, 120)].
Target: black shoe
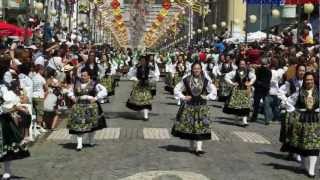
[(199, 153), (311, 176), (244, 125), (79, 149), (91, 145), (253, 119), (146, 119)]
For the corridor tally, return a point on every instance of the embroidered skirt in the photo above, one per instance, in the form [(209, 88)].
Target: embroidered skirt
[(86, 118), (303, 133), (108, 83), (224, 89), (192, 122), (11, 137), (239, 103), (140, 98)]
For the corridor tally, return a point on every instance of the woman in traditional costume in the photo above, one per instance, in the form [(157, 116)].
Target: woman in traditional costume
[(304, 116), (108, 81), (239, 102), (286, 90), (141, 97), (15, 120), (193, 118), (86, 115), (224, 67)]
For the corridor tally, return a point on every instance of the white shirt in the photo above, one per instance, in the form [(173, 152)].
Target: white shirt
[(100, 89), (38, 83), (27, 85), (230, 76), (275, 79), (7, 77)]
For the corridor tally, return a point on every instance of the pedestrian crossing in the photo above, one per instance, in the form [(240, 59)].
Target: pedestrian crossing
[(160, 134)]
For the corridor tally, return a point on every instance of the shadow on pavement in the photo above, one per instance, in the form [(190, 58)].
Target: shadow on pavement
[(294, 169), (128, 115), (16, 177), (71, 146), (275, 155), (175, 148)]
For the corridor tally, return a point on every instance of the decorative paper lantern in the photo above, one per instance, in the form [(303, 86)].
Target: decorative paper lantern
[(118, 18), (163, 12), (193, 32), (275, 13), (223, 24), (214, 26), (166, 4), (64, 16), (160, 18), (236, 21), (253, 18), (38, 6), (308, 8), (205, 28), (53, 12), (117, 12), (115, 4), (199, 31)]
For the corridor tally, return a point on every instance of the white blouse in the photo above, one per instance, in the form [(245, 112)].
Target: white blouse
[(100, 89), (38, 85), (230, 76), (211, 89)]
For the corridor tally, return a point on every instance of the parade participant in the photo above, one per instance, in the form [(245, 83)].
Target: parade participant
[(170, 71), (91, 63), (86, 115), (261, 87), (193, 118), (108, 81), (303, 107), (225, 66), (13, 144), (140, 97), (238, 102), (272, 102), (287, 89)]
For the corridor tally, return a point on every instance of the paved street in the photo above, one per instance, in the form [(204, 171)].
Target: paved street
[(146, 150)]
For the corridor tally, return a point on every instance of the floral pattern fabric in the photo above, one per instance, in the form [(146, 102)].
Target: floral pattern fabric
[(193, 123), (10, 139), (85, 117), (303, 135), (140, 98)]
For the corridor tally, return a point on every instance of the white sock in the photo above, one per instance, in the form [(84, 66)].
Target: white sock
[(297, 157), (79, 142), (179, 102), (312, 164), (7, 169), (245, 120), (145, 113), (199, 145), (91, 138), (192, 145)]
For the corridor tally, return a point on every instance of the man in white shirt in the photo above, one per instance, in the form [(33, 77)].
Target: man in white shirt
[(271, 101)]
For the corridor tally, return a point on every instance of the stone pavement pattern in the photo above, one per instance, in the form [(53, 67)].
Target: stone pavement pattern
[(132, 149)]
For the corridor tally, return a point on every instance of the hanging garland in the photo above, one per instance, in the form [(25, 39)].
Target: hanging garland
[(150, 35), (118, 24)]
